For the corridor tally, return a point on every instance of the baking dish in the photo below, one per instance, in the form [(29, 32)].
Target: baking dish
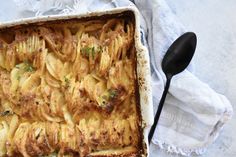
[(143, 66)]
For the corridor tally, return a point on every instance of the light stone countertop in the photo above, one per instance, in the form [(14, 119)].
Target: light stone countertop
[(215, 60)]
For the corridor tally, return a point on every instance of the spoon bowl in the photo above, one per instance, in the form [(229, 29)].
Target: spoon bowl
[(179, 55)]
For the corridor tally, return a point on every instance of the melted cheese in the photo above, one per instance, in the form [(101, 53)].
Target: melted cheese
[(69, 89)]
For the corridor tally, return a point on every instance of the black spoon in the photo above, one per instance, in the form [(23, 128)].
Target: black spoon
[(176, 59)]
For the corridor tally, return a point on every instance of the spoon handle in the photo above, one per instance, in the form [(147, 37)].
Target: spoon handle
[(158, 113)]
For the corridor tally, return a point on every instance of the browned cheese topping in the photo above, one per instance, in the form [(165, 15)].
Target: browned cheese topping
[(69, 90)]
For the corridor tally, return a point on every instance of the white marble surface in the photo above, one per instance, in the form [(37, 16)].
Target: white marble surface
[(215, 25)]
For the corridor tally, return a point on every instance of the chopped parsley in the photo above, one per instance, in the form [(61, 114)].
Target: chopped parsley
[(28, 67), (93, 52), (112, 93), (67, 81), (87, 51)]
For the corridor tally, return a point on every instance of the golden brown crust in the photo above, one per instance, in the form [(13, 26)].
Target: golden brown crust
[(70, 90)]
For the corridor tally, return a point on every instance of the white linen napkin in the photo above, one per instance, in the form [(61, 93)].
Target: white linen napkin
[(193, 114)]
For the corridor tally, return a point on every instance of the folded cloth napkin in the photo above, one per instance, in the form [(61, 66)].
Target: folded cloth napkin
[(193, 114)]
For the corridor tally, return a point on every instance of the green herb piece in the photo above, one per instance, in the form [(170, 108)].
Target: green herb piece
[(67, 82), (93, 52), (28, 67), (112, 93), (87, 51)]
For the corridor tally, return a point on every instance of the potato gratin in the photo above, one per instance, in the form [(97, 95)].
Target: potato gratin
[(69, 88)]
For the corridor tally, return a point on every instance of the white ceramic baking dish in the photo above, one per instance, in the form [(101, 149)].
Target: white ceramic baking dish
[(143, 63)]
